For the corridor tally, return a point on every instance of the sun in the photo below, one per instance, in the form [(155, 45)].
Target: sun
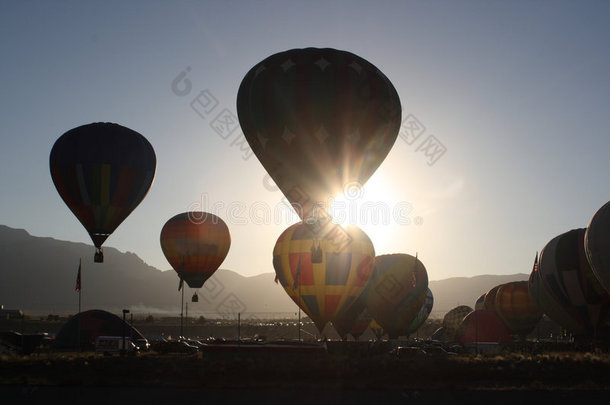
[(371, 207)]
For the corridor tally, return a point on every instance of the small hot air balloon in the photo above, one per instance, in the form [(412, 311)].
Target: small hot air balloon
[(318, 120), (323, 288), (102, 171), (423, 313), (195, 244), (516, 308), (567, 290), (396, 292), (597, 245), (452, 321)]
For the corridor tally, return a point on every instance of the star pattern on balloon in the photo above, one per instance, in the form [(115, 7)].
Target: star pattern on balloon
[(287, 65), (356, 67), (322, 134), (288, 135), (322, 63)]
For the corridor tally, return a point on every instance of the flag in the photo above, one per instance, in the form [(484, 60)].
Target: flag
[(297, 275), (534, 273), (77, 288), (180, 272)]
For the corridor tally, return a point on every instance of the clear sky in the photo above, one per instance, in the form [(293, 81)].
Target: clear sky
[(517, 92)]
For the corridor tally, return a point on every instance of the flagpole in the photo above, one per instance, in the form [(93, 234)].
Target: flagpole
[(81, 284)]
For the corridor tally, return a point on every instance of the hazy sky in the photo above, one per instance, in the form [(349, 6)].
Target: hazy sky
[(516, 92)]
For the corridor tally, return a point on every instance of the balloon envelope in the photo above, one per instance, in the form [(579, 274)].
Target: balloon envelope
[(566, 288), (480, 302), (195, 244), (482, 326), (102, 171), (318, 120), (516, 308), (323, 289), (597, 245), (423, 313), (452, 321), (396, 292)]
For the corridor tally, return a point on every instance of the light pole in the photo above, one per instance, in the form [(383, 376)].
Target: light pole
[(125, 312)]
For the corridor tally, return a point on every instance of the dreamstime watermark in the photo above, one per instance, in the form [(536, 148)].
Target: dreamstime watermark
[(350, 210)]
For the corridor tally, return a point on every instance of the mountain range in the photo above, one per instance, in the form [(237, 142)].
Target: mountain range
[(38, 276)]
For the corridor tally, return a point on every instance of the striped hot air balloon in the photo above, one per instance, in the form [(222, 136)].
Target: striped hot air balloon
[(102, 171), (516, 308), (195, 244), (423, 313), (566, 289), (324, 273), (597, 245), (482, 325)]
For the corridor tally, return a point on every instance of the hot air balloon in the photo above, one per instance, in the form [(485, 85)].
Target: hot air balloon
[(452, 321), (597, 245), (480, 302), (423, 313), (566, 288), (489, 303), (195, 244), (516, 308), (326, 285), (482, 326), (396, 292), (102, 171), (318, 120)]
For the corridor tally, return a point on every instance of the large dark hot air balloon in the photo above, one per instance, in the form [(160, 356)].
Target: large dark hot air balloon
[(566, 289), (326, 287), (318, 120), (102, 171), (195, 244), (597, 245), (396, 292)]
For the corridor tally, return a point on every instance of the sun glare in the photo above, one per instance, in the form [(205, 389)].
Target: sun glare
[(372, 207)]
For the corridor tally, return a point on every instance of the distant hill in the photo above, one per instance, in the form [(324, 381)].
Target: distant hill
[(38, 275)]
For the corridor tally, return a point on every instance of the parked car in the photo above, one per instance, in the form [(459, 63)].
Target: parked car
[(407, 352), (174, 346)]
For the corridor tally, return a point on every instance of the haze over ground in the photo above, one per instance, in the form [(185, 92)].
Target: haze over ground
[(517, 93)]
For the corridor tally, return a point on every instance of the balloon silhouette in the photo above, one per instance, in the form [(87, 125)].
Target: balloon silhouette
[(566, 289), (516, 308), (422, 315), (396, 292), (195, 244), (318, 120), (597, 245), (323, 287), (102, 171)]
